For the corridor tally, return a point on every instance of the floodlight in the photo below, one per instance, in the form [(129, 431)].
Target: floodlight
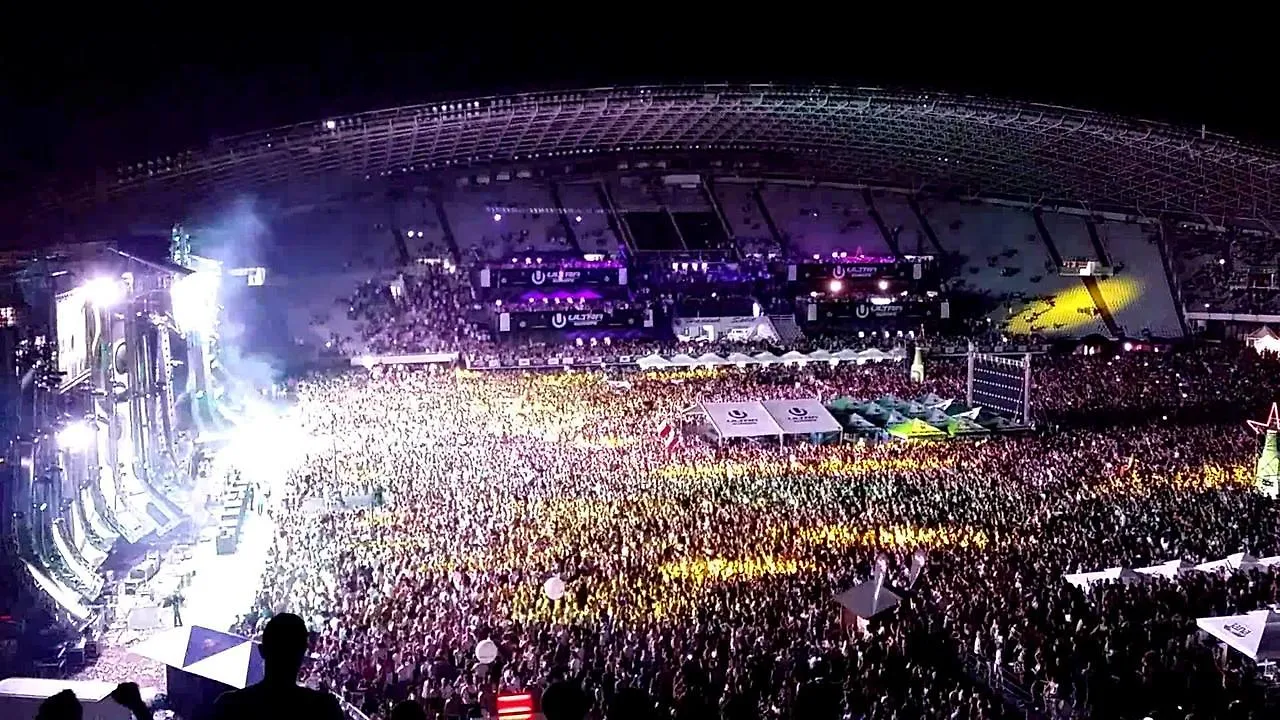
[(103, 292), (75, 437)]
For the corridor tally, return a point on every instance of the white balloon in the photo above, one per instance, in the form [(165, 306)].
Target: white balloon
[(554, 588), (486, 651)]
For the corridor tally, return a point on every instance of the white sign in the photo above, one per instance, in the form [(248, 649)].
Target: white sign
[(801, 417), (741, 419)]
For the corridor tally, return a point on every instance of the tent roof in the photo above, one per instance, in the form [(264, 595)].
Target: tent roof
[(740, 358), (238, 667), (226, 658), (683, 360), (1255, 634), (741, 419), (801, 417), (711, 359), (913, 429), (652, 361), (862, 600)]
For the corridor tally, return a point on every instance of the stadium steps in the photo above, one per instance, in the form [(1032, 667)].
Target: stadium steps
[(768, 221), (708, 192), (402, 248), (449, 239), (679, 235), (564, 219), (925, 226), (1094, 238), (1038, 214), (890, 239), (789, 333), (1171, 280), (618, 227), (1091, 284)]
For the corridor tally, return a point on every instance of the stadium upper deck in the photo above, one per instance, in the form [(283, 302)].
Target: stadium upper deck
[(917, 141)]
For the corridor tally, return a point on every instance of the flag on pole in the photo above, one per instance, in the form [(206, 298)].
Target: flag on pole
[(667, 434)]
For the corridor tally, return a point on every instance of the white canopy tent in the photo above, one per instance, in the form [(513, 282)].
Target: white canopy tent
[(741, 419), (1254, 634), (1170, 569), (1084, 580), (802, 417), (868, 599), (650, 362)]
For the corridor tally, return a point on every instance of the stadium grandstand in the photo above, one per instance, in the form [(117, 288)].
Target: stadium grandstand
[(715, 401)]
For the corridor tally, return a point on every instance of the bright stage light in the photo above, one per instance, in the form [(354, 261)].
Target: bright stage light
[(836, 286), (75, 437), (195, 302), (103, 292)]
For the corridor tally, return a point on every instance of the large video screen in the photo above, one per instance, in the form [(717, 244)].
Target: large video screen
[(73, 336)]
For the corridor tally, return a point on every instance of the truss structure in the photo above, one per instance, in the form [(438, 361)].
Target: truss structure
[(915, 141)]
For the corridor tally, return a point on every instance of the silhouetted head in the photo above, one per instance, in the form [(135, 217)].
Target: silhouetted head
[(63, 706), (284, 644), (564, 701), (631, 704), (408, 710)]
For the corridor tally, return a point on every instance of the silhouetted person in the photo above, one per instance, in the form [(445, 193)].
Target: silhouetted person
[(564, 701), (63, 706), (284, 644), (631, 704), (129, 697), (408, 710)]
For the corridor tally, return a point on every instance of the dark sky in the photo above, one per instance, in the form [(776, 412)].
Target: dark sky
[(98, 98)]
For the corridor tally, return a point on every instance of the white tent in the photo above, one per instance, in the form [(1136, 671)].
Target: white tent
[(863, 601), (873, 354), (1170, 569), (683, 360), (767, 357), (653, 361), (1235, 561), (711, 359), (741, 419), (1254, 634), (847, 354), (802, 417), (794, 356), (821, 356), (740, 359), (1084, 580)]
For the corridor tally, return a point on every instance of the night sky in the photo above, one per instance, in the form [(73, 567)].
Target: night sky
[(77, 102)]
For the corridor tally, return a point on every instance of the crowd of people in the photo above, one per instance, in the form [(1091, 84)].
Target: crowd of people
[(532, 531)]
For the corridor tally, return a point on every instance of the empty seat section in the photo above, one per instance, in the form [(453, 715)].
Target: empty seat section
[(1070, 235), (590, 220), (1002, 256), (504, 219), (746, 222), (901, 219), (332, 237), (1138, 295), (416, 217), (821, 221)]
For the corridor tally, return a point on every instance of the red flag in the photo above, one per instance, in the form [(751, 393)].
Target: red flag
[(667, 434)]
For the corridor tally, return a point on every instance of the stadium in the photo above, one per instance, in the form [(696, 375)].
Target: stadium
[(704, 401)]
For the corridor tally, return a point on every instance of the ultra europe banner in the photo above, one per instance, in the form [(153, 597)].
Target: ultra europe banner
[(575, 320), (552, 277)]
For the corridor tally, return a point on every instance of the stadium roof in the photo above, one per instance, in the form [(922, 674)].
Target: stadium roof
[(918, 141)]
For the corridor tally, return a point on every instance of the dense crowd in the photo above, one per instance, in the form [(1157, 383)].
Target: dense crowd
[(700, 578)]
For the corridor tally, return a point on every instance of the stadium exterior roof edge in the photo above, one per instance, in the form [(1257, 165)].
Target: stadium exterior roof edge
[(913, 140)]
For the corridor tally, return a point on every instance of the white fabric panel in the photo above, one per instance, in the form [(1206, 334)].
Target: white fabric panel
[(741, 419), (801, 417)]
